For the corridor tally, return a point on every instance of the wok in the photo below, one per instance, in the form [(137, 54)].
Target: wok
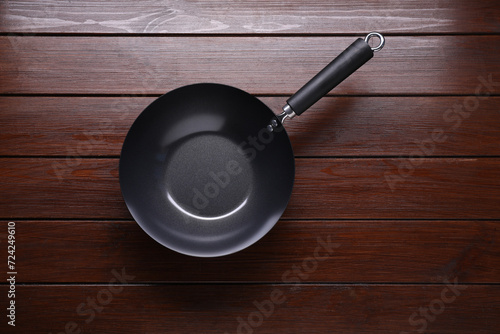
[(208, 169)]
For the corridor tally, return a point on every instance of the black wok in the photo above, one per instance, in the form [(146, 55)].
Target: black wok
[(208, 169)]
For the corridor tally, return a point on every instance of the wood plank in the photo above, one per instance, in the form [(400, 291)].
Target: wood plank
[(272, 65), (255, 17), (361, 251), (216, 309), (426, 188), (335, 126)]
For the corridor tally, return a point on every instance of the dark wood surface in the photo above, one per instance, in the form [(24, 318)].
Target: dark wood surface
[(382, 251), (250, 17), (399, 167), (330, 308), (153, 65), (334, 127), (325, 188)]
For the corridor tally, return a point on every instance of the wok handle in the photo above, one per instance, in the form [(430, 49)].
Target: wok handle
[(334, 73)]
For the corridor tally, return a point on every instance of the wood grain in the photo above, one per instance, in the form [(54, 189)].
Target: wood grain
[(272, 65), (249, 17), (362, 251), (216, 308), (75, 74), (415, 188), (335, 126)]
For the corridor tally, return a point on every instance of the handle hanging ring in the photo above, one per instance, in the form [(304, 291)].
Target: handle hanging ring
[(379, 35)]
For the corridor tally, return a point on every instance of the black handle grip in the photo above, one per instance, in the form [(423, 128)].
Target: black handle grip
[(334, 73)]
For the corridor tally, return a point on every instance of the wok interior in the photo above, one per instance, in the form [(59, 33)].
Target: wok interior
[(201, 174)]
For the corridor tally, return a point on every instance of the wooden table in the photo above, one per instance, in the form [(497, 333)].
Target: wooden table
[(398, 169)]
